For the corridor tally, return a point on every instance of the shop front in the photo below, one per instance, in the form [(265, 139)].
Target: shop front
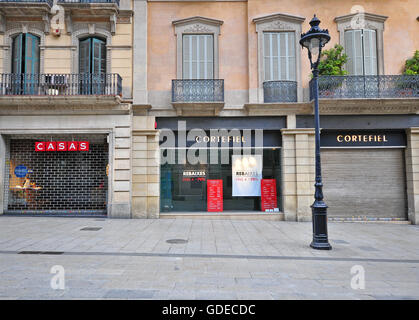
[(215, 169), (364, 174), (56, 174)]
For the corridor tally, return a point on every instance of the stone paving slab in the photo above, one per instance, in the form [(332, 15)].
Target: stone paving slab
[(223, 259)]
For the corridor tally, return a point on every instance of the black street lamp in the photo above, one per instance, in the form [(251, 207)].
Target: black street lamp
[(314, 40)]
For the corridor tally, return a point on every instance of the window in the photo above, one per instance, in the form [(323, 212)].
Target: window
[(279, 56), (361, 48), (25, 54), (92, 56), (363, 42), (198, 56), (92, 66), (197, 48)]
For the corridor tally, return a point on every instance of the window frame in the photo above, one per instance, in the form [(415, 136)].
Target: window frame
[(8, 45), (277, 23), (197, 26), (279, 56), (371, 22), (198, 59), (92, 40)]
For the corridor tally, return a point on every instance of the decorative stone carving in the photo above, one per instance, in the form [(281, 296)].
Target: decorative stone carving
[(113, 24), (278, 25), (198, 28), (92, 27), (69, 24)]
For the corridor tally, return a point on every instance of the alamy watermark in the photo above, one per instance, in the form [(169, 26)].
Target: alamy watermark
[(358, 278), (58, 280), (193, 146)]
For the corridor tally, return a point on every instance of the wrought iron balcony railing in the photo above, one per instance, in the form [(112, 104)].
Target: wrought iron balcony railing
[(198, 90), (60, 84), (280, 91), (49, 2), (359, 87), (90, 1)]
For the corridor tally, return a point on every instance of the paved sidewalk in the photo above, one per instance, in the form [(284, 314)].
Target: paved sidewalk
[(222, 259)]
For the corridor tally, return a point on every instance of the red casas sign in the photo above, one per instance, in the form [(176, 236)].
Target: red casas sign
[(62, 146)]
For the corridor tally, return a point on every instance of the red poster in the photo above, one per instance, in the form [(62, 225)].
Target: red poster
[(39, 146), (214, 195), (268, 194)]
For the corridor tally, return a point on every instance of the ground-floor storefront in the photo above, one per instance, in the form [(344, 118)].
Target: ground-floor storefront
[(130, 165), (364, 174), (367, 170), (56, 174), (241, 157), (66, 164)]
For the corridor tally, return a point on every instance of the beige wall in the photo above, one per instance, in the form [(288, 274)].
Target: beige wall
[(238, 40), (400, 34), (162, 41)]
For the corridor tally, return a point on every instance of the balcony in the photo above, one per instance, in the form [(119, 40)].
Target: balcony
[(279, 91), (198, 90), (198, 96), (91, 8), (25, 7), (89, 1), (20, 84), (77, 7), (367, 87), (60, 93)]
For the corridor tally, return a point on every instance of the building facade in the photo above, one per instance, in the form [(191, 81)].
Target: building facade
[(203, 108), (65, 119)]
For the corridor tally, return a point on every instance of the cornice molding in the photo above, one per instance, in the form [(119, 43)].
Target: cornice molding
[(369, 106), (367, 16), (279, 16), (197, 19), (198, 108)]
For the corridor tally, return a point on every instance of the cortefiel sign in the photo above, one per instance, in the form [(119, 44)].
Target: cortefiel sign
[(246, 175), (61, 146), (363, 138)]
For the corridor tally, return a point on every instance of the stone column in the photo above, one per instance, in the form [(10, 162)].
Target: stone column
[(120, 206), (145, 167), (298, 173), (412, 174), (2, 170)]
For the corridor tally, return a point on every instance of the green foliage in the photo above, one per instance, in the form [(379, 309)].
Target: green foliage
[(412, 65), (332, 61)]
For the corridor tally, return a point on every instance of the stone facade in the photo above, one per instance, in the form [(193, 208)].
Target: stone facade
[(412, 174), (144, 46)]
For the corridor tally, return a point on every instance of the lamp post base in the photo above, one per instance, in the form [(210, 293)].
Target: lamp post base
[(320, 239), (321, 245)]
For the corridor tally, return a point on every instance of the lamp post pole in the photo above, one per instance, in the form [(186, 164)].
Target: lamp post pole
[(314, 40), (319, 207)]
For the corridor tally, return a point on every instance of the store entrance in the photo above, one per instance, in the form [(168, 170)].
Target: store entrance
[(70, 181), (184, 186)]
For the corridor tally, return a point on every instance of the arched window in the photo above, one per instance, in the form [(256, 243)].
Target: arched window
[(25, 52), (25, 64), (92, 65), (92, 56)]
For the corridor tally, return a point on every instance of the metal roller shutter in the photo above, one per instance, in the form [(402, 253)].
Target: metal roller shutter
[(56, 182), (364, 182)]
